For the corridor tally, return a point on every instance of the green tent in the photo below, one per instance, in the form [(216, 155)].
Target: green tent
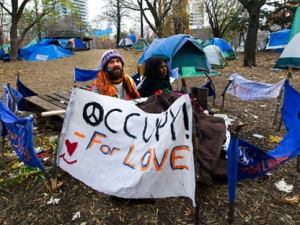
[(295, 25), (33, 42), (140, 44)]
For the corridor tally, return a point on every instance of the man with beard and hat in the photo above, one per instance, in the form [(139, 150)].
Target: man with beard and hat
[(112, 80)]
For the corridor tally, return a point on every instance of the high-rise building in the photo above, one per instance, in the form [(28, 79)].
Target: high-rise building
[(197, 17), (79, 5)]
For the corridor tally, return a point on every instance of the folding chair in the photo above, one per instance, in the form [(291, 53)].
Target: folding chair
[(240, 83)]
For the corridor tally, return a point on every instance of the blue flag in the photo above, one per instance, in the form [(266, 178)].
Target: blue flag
[(291, 106), (25, 92), (99, 33), (8, 98), (232, 154), (20, 134), (211, 91), (82, 75)]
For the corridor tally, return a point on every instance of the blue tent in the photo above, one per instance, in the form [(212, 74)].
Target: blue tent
[(278, 39), (182, 51), (75, 44), (224, 46), (53, 41), (43, 52), (133, 37)]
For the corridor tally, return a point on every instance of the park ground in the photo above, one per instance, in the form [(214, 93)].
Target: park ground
[(25, 200)]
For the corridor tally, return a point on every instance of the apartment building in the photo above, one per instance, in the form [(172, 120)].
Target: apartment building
[(197, 16), (79, 5)]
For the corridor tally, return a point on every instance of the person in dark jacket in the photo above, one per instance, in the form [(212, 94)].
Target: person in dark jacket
[(156, 78)]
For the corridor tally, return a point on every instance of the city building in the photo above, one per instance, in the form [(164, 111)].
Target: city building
[(81, 6), (197, 15)]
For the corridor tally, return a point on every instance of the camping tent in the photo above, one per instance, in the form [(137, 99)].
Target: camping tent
[(215, 56), (182, 51), (75, 44), (43, 52), (49, 41), (33, 42), (295, 25), (278, 39), (224, 46), (140, 44), (125, 42), (290, 57)]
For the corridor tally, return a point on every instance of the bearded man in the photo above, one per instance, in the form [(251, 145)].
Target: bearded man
[(112, 80)]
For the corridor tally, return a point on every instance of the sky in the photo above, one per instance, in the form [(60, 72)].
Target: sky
[(95, 7)]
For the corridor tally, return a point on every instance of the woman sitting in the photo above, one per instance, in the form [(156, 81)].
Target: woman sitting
[(156, 78)]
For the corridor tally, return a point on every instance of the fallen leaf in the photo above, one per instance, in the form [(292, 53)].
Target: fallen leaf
[(275, 139), (292, 200), (15, 165)]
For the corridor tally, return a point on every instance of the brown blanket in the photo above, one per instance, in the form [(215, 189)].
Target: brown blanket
[(210, 134)]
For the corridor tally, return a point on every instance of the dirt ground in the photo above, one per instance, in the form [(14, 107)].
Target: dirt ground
[(258, 201)]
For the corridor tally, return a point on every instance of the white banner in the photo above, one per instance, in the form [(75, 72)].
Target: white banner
[(116, 148), (250, 90)]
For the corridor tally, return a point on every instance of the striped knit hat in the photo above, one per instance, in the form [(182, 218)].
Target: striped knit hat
[(109, 55)]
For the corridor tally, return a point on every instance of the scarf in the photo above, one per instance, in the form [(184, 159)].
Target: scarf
[(106, 87)]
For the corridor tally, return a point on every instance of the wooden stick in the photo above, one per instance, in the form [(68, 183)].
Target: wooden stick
[(224, 92), (53, 113)]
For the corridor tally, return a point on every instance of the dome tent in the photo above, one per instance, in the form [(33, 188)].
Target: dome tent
[(215, 56), (182, 52)]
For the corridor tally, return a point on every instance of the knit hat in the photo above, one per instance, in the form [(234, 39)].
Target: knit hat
[(109, 55)]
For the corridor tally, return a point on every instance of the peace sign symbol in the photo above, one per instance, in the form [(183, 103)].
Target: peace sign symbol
[(93, 113)]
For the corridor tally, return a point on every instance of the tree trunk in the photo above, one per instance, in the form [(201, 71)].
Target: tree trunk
[(253, 8), (14, 41), (142, 22), (118, 23), (250, 46)]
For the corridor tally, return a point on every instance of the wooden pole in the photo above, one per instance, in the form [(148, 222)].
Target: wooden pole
[(53, 113)]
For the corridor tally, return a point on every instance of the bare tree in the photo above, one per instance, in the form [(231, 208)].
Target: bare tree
[(253, 8), (221, 14), (153, 11), (115, 13)]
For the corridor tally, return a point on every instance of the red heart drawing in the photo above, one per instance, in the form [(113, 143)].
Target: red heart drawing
[(71, 147)]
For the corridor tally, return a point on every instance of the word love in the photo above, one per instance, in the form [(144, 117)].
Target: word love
[(148, 157)]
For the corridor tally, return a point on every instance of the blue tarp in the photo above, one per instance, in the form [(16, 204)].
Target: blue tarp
[(43, 52), (99, 33), (278, 39)]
